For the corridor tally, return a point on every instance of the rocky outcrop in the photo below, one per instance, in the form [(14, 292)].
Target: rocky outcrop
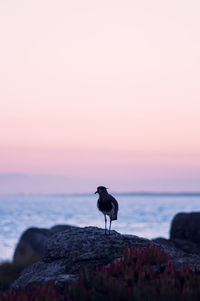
[(186, 226), (184, 234), (184, 246), (30, 247), (67, 252)]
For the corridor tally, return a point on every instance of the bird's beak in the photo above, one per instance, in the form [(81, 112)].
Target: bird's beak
[(96, 192)]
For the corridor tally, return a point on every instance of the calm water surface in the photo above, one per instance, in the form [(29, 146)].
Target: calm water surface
[(143, 215)]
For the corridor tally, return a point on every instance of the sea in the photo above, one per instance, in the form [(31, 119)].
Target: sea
[(147, 215)]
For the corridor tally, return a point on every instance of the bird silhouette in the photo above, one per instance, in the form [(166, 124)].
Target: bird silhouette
[(108, 205)]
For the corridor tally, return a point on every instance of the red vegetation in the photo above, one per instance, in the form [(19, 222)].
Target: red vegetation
[(140, 274), (44, 293)]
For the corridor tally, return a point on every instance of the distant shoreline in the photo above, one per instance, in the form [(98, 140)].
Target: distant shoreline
[(147, 193)]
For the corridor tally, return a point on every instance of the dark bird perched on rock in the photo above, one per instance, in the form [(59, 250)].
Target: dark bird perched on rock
[(107, 204)]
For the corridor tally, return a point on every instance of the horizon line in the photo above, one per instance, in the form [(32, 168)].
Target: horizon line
[(127, 193)]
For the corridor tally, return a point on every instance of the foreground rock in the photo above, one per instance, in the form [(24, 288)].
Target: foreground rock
[(67, 252)]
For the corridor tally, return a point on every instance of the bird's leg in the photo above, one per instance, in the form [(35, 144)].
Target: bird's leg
[(105, 224), (110, 226)]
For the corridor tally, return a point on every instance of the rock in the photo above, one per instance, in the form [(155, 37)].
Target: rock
[(60, 228), (178, 246), (184, 233), (30, 247), (187, 246), (186, 226), (68, 251), (88, 244), (181, 252)]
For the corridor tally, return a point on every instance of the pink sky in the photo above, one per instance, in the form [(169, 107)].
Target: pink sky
[(99, 92)]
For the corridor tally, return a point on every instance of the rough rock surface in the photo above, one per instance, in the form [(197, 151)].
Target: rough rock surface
[(30, 247), (69, 251), (184, 246), (186, 226)]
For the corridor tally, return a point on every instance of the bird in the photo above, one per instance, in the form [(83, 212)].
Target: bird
[(108, 205)]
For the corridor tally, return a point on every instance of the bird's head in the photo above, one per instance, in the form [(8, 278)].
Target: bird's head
[(101, 190)]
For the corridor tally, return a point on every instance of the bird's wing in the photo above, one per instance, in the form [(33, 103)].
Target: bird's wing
[(115, 203)]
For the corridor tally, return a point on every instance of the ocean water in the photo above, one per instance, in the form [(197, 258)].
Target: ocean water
[(145, 215)]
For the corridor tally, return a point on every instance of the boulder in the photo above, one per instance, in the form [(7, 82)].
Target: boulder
[(186, 226), (30, 247), (60, 228), (178, 245), (67, 252)]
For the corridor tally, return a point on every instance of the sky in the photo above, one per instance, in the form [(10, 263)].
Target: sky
[(99, 93)]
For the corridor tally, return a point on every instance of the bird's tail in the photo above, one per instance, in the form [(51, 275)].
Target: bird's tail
[(114, 217)]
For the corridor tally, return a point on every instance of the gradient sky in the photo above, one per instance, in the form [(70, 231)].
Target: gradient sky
[(99, 93)]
